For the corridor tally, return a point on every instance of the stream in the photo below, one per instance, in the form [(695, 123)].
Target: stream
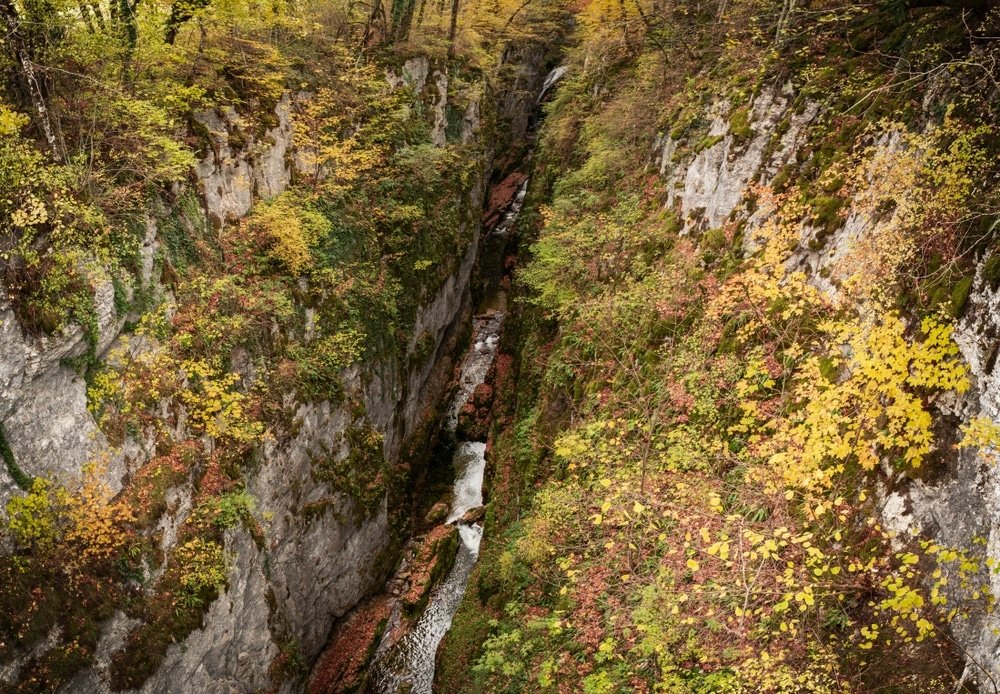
[(408, 665)]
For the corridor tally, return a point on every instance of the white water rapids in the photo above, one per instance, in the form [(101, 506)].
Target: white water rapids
[(408, 666)]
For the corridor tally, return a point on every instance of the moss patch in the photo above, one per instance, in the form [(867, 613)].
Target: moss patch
[(20, 477)]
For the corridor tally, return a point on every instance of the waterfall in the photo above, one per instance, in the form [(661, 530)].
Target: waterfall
[(408, 665), (550, 81)]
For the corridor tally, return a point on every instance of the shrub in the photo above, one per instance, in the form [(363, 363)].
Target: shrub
[(203, 567), (33, 519), (290, 230)]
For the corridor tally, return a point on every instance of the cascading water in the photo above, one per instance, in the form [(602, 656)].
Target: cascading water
[(408, 665), (550, 81)]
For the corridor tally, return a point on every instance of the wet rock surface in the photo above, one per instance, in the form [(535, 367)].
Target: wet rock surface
[(473, 515), (405, 657)]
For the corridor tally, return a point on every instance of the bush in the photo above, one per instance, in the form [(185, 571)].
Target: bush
[(33, 519), (289, 231), (203, 568)]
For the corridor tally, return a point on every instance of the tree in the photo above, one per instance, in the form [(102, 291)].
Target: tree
[(180, 12), (23, 54)]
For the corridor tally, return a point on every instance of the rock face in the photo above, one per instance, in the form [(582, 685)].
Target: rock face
[(43, 403), (960, 509), (323, 550), (708, 187), (418, 75), (42, 400), (234, 173), (231, 655), (227, 656), (958, 506), (516, 106)]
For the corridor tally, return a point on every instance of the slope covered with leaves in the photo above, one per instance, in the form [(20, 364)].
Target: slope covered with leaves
[(696, 424), (102, 123)]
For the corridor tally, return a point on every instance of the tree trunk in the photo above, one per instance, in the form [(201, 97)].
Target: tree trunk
[(372, 17), (453, 28), (180, 12), (29, 75), (420, 13)]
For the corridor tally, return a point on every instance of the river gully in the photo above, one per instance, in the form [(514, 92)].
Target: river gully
[(422, 597), (406, 663)]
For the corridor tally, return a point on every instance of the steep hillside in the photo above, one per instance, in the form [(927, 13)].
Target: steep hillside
[(238, 248), (740, 432), (745, 426)]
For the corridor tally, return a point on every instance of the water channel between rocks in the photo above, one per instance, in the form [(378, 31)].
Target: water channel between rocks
[(408, 665)]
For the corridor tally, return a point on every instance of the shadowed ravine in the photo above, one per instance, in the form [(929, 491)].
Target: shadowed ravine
[(408, 665)]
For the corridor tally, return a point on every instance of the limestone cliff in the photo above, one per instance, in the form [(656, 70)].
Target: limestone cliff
[(319, 546)]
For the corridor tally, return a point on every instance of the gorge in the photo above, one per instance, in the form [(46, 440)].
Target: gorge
[(499, 347)]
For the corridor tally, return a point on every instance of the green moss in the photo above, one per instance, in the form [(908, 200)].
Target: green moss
[(826, 211), (22, 479), (202, 136), (991, 271), (739, 125), (316, 509), (121, 301), (714, 239), (269, 119), (936, 295), (783, 177), (777, 134), (175, 232), (713, 243), (238, 140), (685, 120), (444, 553), (423, 349), (833, 185), (828, 368), (960, 295), (707, 142), (455, 120), (364, 474)]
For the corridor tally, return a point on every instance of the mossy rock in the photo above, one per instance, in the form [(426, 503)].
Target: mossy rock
[(739, 125), (20, 477), (707, 142), (826, 211), (991, 272), (828, 369), (960, 295), (784, 177)]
